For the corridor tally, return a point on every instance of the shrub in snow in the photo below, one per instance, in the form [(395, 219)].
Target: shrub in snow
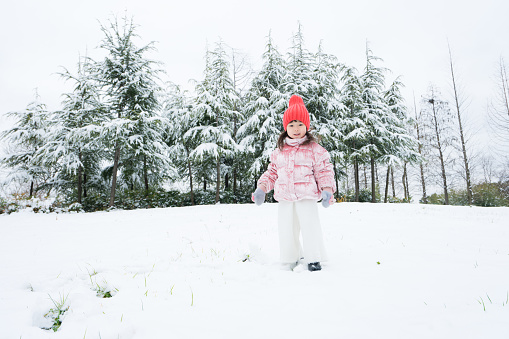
[(364, 196), (55, 314), (37, 205)]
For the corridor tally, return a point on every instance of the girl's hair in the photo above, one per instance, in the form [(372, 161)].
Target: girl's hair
[(284, 135)]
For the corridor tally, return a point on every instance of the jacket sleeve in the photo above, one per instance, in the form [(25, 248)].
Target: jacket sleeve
[(322, 168), (268, 179)]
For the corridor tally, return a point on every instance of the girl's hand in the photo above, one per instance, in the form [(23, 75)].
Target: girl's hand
[(258, 196), (327, 198)]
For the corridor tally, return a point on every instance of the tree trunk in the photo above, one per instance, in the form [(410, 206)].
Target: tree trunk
[(226, 181), (191, 183), (505, 86), (419, 149), (463, 143), (84, 185), (377, 182), (145, 174), (234, 180), (373, 181), (80, 173), (190, 175), (392, 181), (423, 184), (444, 177), (407, 185), (31, 189), (114, 174), (356, 177), (404, 182), (365, 177), (218, 178), (336, 178), (387, 183), (347, 182), (441, 155)]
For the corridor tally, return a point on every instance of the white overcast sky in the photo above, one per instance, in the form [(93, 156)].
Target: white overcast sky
[(37, 37)]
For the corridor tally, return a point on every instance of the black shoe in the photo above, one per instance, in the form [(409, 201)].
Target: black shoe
[(315, 266)]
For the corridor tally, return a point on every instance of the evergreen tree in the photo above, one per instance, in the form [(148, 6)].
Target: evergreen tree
[(240, 75), (354, 128), (299, 74), (25, 139), (177, 108), (146, 162), (214, 114), (323, 100), (265, 105), (326, 104), (129, 82), (373, 83), (399, 145), (70, 141)]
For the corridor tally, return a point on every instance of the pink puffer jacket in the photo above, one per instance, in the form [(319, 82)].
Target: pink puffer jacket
[(298, 171)]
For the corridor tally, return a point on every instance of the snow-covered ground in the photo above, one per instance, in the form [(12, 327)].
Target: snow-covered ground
[(395, 271)]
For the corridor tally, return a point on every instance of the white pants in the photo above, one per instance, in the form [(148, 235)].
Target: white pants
[(296, 217)]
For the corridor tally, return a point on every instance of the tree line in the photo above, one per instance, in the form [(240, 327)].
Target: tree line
[(123, 129)]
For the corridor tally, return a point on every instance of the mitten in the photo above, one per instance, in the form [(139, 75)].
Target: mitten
[(327, 199), (258, 196)]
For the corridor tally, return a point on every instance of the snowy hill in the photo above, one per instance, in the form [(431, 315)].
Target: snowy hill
[(395, 271)]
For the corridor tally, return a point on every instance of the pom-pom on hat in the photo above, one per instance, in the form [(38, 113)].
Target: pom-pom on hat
[(296, 111)]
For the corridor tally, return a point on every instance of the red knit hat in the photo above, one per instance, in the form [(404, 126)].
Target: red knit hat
[(296, 111)]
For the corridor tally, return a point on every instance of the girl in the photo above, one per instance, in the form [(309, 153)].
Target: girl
[(300, 174)]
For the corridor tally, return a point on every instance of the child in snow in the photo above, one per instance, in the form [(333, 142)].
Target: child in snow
[(300, 174)]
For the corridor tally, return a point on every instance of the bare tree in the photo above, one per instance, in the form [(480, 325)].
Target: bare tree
[(498, 111), (420, 138), (459, 105), (488, 168), (439, 118)]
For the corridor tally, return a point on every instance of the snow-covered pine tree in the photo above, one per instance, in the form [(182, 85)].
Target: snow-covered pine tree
[(25, 139), (214, 114), (324, 102), (70, 140), (204, 167), (373, 83), (264, 108), (146, 163), (129, 82), (177, 108), (241, 74), (299, 74), (354, 127), (400, 147)]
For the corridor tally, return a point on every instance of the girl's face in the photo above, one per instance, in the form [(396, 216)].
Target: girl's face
[(296, 129)]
